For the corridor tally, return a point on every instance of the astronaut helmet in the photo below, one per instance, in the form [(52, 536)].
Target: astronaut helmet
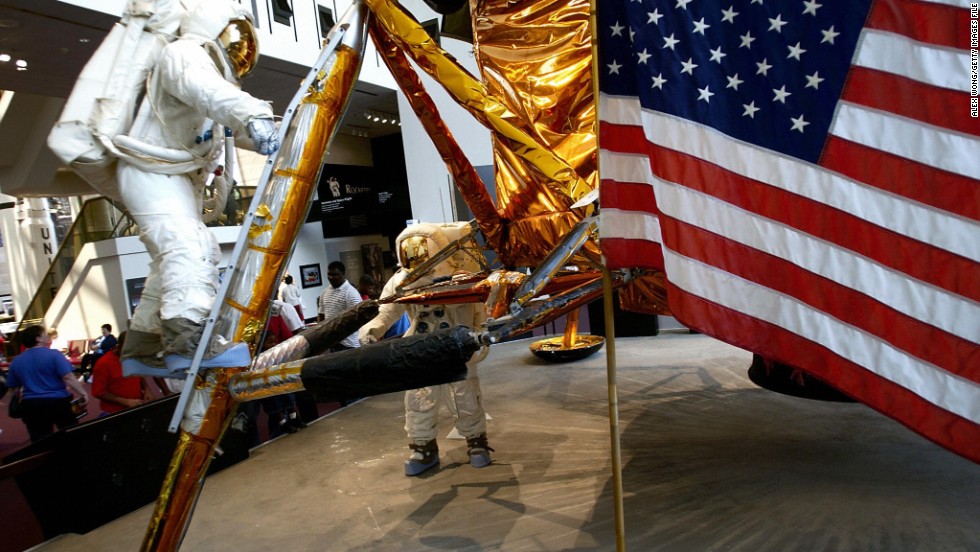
[(239, 41), (230, 25), (418, 242)]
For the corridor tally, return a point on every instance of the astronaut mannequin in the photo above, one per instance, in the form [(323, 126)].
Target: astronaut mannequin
[(415, 244), (174, 144)]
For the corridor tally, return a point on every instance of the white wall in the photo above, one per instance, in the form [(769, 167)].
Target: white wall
[(94, 291), (429, 182)]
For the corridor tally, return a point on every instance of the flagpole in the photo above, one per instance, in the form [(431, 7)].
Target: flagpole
[(613, 396), (607, 295)]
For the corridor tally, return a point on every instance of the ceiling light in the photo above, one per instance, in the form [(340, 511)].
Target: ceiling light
[(21, 63), (4, 58)]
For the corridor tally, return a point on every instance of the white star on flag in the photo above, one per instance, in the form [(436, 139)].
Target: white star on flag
[(798, 123), (795, 52), (689, 66), (829, 35), (813, 81), (705, 94), (776, 24), (781, 94)]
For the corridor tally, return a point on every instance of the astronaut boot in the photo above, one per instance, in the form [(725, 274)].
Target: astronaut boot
[(423, 457), (142, 354), (183, 336), (479, 451)]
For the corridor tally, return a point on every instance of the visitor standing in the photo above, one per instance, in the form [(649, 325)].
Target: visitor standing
[(42, 376)]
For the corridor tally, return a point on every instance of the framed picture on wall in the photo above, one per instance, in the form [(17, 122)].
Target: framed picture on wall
[(373, 264), (310, 276)]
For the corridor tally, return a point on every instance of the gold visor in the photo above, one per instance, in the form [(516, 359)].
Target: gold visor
[(414, 250), (239, 41)]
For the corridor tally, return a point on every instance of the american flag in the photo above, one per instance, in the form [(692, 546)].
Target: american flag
[(806, 174)]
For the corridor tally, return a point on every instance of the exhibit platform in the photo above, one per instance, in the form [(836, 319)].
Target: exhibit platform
[(710, 462)]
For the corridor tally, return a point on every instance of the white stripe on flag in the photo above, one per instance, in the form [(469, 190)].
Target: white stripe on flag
[(632, 225), (911, 297), (955, 394), (919, 222), (926, 144), (626, 167), (900, 55)]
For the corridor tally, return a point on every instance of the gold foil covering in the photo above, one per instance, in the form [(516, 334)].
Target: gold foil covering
[(535, 58), (253, 329), (502, 286), (260, 224), (556, 185), (275, 380), (645, 294), (189, 464), (557, 344), (330, 99), (571, 330)]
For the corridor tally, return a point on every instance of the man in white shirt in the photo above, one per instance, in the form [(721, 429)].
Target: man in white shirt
[(289, 294), (339, 296)]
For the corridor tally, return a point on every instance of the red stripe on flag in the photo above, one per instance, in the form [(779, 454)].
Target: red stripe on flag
[(937, 24), (935, 423), (630, 253), (917, 259), (628, 196), (951, 192), (950, 352), (936, 106)]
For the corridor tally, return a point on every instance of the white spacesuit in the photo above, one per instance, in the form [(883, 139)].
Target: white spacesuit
[(193, 94), (415, 244)]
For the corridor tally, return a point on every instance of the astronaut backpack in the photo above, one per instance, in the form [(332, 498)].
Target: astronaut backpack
[(462, 261), (103, 102)]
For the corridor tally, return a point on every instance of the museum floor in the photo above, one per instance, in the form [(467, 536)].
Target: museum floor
[(710, 462)]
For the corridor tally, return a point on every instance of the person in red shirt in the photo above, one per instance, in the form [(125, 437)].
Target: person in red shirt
[(115, 391)]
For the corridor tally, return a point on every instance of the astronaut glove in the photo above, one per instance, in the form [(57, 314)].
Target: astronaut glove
[(264, 135)]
